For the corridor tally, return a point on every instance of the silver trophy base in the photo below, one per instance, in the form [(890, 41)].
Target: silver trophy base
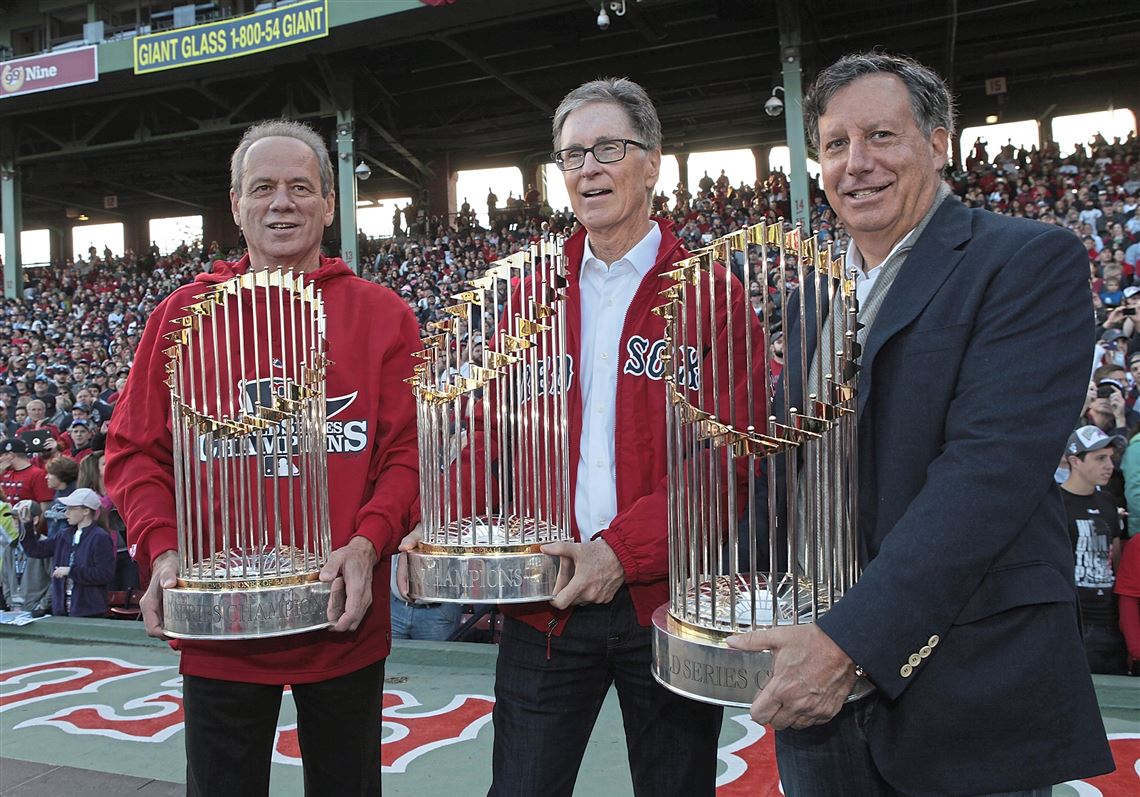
[(701, 666), (247, 613), (513, 574)]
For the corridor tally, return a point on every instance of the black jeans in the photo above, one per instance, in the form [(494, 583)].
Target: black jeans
[(834, 759), (231, 726), (546, 706)]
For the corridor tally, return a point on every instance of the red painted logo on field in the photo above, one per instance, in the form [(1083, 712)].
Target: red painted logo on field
[(51, 679), (408, 734), (748, 765)]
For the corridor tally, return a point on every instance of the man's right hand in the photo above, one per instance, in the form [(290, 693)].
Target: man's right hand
[(163, 575), (409, 543)]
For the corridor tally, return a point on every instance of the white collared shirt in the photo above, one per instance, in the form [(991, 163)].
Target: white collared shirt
[(607, 291), (865, 280)]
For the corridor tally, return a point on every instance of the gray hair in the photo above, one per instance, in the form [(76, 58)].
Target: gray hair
[(622, 92), (285, 129), (930, 99)]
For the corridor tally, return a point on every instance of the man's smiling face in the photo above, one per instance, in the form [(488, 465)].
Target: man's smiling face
[(608, 198), (280, 208), (880, 173)]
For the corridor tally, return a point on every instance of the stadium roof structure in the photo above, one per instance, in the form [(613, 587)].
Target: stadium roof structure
[(437, 86)]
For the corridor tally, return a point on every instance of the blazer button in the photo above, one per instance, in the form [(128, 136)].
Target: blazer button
[(924, 651), (906, 670), (933, 641), (914, 660)]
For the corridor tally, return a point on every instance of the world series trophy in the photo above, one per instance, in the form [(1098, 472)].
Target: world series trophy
[(493, 437), (736, 561), (246, 372)]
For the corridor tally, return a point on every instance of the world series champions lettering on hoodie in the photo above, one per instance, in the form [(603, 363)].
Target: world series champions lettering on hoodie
[(279, 449)]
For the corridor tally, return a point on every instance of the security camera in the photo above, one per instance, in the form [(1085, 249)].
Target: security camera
[(362, 171), (603, 19), (774, 106)]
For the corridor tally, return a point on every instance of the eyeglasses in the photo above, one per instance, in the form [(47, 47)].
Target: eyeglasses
[(613, 151)]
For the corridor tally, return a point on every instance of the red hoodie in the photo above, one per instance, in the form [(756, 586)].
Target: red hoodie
[(373, 466)]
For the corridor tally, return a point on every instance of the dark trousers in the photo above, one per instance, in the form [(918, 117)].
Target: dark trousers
[(231, 726), (546, 706), (834, 760)]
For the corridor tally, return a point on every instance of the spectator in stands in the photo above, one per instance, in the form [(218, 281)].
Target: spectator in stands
[(91, 476), (62, 418), (1094, 528), (1127, 591), (7, 425), (37, 419), (82, 561), (81, 438), (62, 473), (26, 488)]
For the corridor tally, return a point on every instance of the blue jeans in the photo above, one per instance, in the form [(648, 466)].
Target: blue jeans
[(423, 621), (834, 760), (546, 704)]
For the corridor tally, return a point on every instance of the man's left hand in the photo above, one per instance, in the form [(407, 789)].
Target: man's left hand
[(811, 676), (589, 573), (350, 570)]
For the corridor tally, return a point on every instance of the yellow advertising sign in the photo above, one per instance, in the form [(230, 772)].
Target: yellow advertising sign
[(232, 38)]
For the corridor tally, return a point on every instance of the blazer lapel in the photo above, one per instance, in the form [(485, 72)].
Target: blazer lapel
[(789, 385), (934, 257)]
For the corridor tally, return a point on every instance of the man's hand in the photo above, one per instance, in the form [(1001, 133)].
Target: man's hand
[(1090, 396), (811, 676), (1116, 402), (61, 572), (413, 539), (349, 568), (589, 573), (163, 575)]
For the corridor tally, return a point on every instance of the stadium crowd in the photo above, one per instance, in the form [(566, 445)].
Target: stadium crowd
[(66, 349)]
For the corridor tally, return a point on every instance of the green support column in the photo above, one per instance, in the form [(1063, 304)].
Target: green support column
[(10, 220), (346, 188), (761, 155), (793, 113)]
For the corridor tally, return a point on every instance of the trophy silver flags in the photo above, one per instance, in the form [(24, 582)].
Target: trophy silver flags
[(736, 563), (493, 436), (246, 372)]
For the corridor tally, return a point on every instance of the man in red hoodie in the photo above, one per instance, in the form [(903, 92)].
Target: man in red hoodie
[(282, 198)]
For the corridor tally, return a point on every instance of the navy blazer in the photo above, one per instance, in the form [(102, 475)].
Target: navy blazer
[(973, 375)]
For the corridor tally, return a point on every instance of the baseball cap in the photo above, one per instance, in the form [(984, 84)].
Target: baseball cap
[(1114, 383), (13, 446), (1131, 291), (83, 496), (1091, 438), (1111, 335)]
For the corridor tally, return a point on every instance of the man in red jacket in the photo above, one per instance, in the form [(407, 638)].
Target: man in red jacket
[(557, 660), (282, 198)]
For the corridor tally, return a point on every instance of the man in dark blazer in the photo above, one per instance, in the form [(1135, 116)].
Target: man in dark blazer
[(974, 367)]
